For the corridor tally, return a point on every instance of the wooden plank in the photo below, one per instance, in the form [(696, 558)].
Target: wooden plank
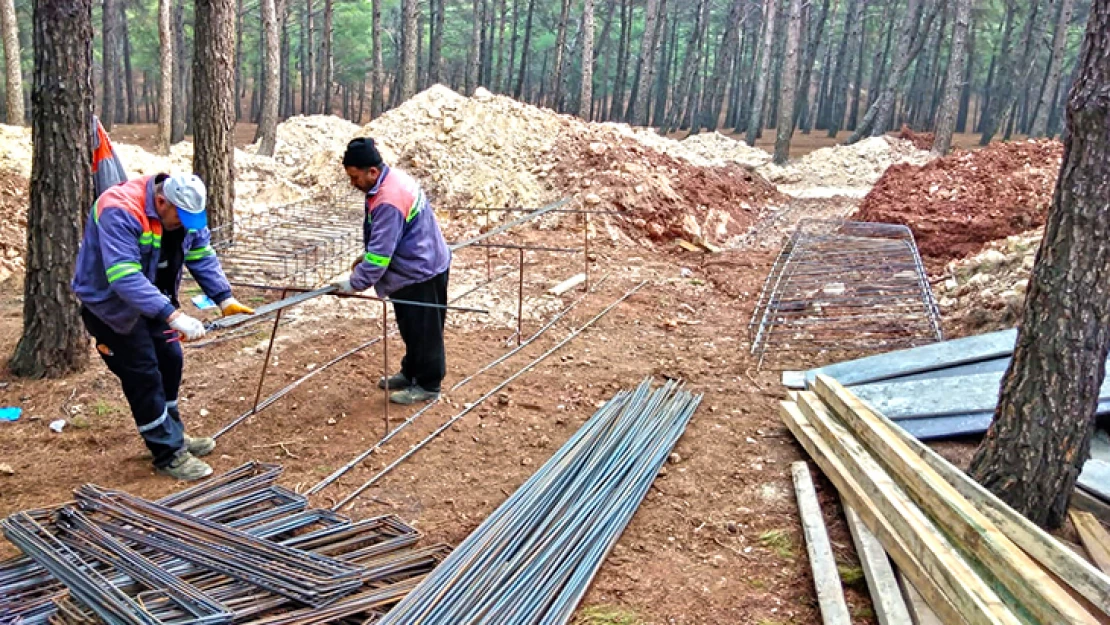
[(920, 612), (971, 529), (1072, 569), (826, 578), (1094, 537), (567, 284), (955, 395), (686, 245), (934, 566), (890, 607), (917, 359)]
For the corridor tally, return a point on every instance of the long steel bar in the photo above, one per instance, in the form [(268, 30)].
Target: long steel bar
[(342, 504), (508, 226), (341, 471), (530, 248)]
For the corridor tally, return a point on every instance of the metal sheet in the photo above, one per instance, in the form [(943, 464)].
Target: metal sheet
[(1095, 479), (940, 397), (954, 426), (905, 362)]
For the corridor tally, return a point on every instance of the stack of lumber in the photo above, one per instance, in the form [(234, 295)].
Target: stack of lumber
[(971, 558)]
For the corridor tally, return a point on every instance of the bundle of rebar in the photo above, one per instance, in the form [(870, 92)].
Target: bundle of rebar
[(113, 578), (532, 560)]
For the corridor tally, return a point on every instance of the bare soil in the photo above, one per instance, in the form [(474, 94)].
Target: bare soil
[(718, 539)]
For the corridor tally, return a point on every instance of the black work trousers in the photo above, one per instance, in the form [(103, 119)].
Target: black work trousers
[(425, 361), (149, 369)]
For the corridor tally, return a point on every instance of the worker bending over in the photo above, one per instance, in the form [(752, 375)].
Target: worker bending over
[(138, 237), (406, 259)]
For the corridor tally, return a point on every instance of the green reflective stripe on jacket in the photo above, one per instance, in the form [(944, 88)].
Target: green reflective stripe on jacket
[(415, 209), (199, 253), (149, 238), (374, 259), (121, 270)]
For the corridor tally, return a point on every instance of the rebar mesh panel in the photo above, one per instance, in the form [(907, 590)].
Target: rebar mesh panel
[(843, 287)]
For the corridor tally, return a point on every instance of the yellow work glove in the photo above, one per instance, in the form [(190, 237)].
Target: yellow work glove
[(231, 306)]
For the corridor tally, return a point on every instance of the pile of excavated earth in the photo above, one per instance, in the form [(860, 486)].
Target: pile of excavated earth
[(957, 204)]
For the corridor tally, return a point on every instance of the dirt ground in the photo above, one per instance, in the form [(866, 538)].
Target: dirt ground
[(718, 539)]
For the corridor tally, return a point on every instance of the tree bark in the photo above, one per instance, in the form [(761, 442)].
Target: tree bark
[(785, 128), (109, 63), (845, 56), (473, 54), (965, 91), (311, 61), (616, 103), (998, 114), (408, 48), (327, 69), (128, 77), (586, 88), (271, 78), (649, 46), (560, 45), (1055, 67), (213, 82), (684, 94), (518, 92), (285, 89), (722, 68), (857, 83), (53, 342), (1041, 434), (179, 114), (882, 55), (239, 87), (435, 46), (12, 65), (507, 86), (815, 29), (165, 87), (377, 99), (755, 120), (946, 119), (667, 69)]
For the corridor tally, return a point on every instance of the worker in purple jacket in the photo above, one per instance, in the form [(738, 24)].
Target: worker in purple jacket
[(138, 237), (406, 259)]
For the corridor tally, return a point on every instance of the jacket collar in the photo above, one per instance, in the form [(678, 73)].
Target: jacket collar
[(381, 178), (148, 204)]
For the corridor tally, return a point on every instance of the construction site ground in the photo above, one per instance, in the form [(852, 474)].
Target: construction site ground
[(718, 539)]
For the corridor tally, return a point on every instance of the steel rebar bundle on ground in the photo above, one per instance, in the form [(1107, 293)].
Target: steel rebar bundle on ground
[(844, 286), (533, 558), (246, 498)]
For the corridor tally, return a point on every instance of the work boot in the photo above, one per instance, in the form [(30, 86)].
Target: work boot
[(412, 394), (395, 381), (187, 468), (200, 447)]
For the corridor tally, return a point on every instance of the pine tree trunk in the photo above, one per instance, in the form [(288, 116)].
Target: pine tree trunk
[(311, 61), (53, 342), (755, 120), (857, 83), (12, 67), (785, 128), (165, 87), (473, 53), (649, 47), (214, 117), (128, 77), (560, 45), (845, 56), (996, 116), (239, 88), (686, 76), (329, 58), (882, 55), (586, 88), (616, 103), (109, 63), (421, 66), (664, 71), (518, 92), (814, 35), (361, 99), (377, 97), (946, 119), (266, 135), (965, 91), (1050, 391), (498, 78), (408, 48), (177, 131), (1055, 67), (285, 99), (507, 86), (435, 47)]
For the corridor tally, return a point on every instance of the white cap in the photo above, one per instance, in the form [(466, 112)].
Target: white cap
[(188, 194)]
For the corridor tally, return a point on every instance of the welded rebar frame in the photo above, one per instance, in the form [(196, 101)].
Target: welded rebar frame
[(839, 286)]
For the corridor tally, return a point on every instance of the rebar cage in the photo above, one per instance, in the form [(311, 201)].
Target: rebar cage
[(841, 287)]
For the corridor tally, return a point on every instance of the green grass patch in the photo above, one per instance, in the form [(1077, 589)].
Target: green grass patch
[(778, 541), (850, 575), (607, 615), (104, 408)]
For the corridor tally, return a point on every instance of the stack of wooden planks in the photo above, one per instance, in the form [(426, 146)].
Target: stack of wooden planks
[(971, 558)]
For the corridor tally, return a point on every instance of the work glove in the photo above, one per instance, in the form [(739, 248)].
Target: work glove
[(188, 327), (343, 286), (231, 306)]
